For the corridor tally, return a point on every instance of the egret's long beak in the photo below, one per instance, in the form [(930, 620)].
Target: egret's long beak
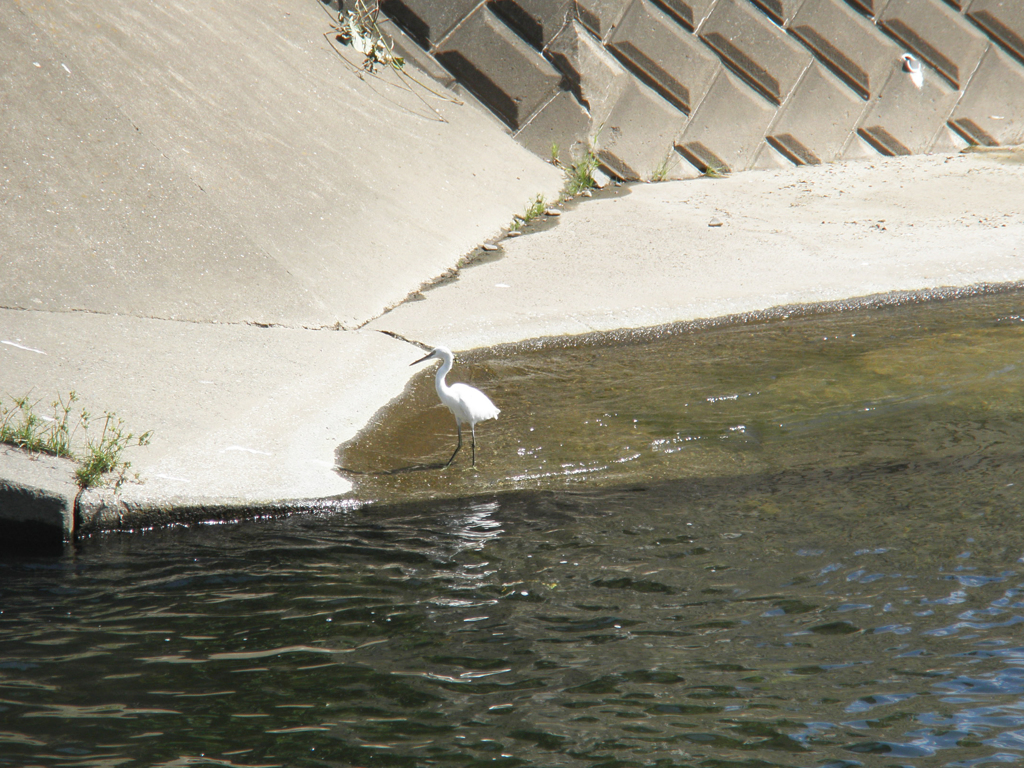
[(425, 357)]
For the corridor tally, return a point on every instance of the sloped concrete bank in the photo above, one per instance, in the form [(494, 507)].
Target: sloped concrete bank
[(252, 417), (200, 207), (672, 87), (219, 248)]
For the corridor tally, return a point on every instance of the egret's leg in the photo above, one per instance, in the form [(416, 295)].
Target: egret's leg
[(472, 431), (458, 447)]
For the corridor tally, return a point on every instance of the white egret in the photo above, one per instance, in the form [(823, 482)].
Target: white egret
[(467, 404)]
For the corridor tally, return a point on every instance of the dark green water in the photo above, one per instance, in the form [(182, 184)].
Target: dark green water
[(933, 382), (797, 543)]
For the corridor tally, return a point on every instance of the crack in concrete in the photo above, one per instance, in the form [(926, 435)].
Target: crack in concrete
[(337, 326), (400, 337)]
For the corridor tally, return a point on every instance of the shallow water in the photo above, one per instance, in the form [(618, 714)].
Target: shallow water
[(925, 382), (779, 545)]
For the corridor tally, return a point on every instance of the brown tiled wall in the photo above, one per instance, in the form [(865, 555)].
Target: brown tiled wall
[(678, 86)]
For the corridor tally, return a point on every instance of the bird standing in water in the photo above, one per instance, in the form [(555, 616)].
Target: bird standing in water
[(467, 404)]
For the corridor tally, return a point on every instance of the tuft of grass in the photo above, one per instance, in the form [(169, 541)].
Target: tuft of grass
[(661, 172), (103, 455), (580, 175), (534, 209), (715, 172), (21, 426)]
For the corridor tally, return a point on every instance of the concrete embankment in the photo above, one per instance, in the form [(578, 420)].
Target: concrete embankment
[(219, 248), (200, 206)]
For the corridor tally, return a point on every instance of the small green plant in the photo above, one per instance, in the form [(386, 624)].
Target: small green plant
[(715, 172), (103, 455), (21, 426), (536, 208), (661, 172), (580, 175)]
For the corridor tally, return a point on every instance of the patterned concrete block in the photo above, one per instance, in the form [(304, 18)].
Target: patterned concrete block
[(905, 119), (427, 21), (937, 34), (600, 16), (562, 122), (817, 121), (593, 73), (414, 54), (948, 142), (727, 129), (991, 110), (847, 43), (635, 141), (871, 7), (536, 21), (859, 150), (762, 53), (1003, 20), (780, 11), (663, 55), (767, 159), (688, 12), (468, 98), (628, 71), (499, 68)]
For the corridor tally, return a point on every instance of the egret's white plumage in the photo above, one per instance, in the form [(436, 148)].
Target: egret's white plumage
[(467, 404)]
